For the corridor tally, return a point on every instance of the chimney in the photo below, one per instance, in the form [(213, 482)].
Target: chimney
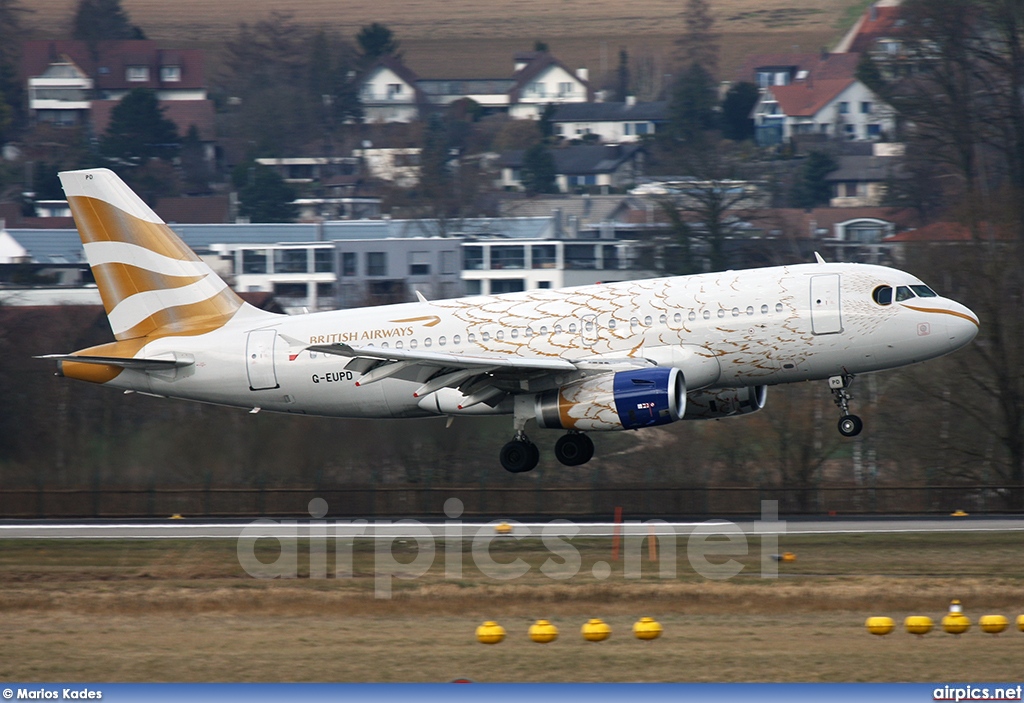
[(630, 100), (873, 12), (583, 74)]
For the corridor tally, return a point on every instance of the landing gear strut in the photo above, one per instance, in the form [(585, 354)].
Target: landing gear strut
[(849, 425), (520, 455), (574, 449)]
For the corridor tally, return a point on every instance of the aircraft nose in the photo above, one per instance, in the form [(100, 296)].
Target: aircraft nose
[(961, 324)]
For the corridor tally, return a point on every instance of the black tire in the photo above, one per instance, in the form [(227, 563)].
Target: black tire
[(850, 425), (574, 449), (519, 457)]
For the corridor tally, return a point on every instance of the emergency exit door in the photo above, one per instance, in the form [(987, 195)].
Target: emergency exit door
[(259, 357), (826, 306)]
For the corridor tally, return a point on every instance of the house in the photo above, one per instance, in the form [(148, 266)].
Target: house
[(612, 123), (582, 168), (391, 92), (70, 85), (862, 180), (837, 108)]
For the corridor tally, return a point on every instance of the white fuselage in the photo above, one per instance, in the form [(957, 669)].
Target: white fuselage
[(723, 330)]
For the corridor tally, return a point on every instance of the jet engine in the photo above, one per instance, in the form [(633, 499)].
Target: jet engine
[(724, 402), (624, 400)]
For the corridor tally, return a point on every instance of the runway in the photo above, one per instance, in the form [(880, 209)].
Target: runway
[(456, 529)]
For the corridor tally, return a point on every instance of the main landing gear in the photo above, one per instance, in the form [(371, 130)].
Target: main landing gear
[(521, 455), (849, 425)]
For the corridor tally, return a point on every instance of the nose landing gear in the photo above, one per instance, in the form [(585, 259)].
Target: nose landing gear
[(849, 425)]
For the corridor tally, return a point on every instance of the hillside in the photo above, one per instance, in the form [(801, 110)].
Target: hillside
[(473, 38)]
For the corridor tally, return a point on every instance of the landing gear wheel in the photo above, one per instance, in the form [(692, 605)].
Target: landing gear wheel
[(519, 456), (850, 425), (574, 449)]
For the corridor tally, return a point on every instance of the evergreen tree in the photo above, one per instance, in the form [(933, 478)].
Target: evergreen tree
[(622, 76), (539, 170), (265, 197), (811, 189), (376, 40), (699, 43), (138, 129), (737, 124), (692, 108), (103, 20)]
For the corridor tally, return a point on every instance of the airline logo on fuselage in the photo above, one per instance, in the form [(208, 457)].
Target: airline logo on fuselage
[(360, 336)]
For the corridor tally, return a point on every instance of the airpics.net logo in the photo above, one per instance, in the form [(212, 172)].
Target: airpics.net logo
[(710, 547)]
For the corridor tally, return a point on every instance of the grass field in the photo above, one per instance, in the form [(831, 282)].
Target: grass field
[(470, 38), (185, 611)]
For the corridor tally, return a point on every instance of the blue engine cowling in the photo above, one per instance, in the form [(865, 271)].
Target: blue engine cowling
[(624, 400)]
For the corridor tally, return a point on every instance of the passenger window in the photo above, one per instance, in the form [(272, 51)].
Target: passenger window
[(572, 328), (456, 339), (778, 307), (904, 293), (500, 335), (442, 341), (764, 309), (515, 334), (924, 292), (648, 321), (707, 314), (471, 338), (486, 336), (882, 295), (611, 323), (413, 343), (692, 316), (427, 342), (750, 310), (663, 319), (679, 318)]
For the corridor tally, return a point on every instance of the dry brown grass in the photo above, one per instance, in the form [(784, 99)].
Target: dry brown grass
[(469, 38), (141, 611)]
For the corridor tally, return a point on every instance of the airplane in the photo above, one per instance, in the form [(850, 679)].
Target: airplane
[(613, 356)]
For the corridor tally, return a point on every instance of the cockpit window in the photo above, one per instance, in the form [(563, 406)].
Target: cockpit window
[(904, 293), (883, 295), (924, 292)]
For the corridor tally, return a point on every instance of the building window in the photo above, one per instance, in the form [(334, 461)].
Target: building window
[(844, 108), (642, 128), (170, 74), (473, 258), (348, 263), (580, 257), (136, 74), (290, 290), (376, 263), (627, 129), (538, 89), (324, 290), (447, 262), (472, 288), (394, 90), (543, 256), (419, 263), (865, 108), (851, 131), (543, 284), (565, 89), (508, 285), (254, 261), (323, 260), (290, 261), (874, 130), (510, 257)]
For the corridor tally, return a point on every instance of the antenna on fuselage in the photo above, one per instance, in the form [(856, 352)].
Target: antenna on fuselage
[(818, 258), (420, 297)]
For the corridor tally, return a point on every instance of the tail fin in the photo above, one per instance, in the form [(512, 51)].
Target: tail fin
[(151, 283)]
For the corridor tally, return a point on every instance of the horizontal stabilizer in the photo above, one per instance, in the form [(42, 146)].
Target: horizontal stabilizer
[(169, 360)]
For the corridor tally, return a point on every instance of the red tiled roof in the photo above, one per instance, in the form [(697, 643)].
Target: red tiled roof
[(808, 98), (877, 23), (114, 58), (818, 66)]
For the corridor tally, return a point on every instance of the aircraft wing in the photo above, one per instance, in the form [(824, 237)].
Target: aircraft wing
[(480, 378)]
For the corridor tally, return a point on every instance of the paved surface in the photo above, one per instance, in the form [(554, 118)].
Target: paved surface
[(380, 529)]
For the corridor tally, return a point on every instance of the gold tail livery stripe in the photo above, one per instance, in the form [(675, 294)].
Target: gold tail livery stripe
[(151, 283)]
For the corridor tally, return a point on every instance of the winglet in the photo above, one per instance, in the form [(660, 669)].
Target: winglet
[(420, 297), (818, 258)]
